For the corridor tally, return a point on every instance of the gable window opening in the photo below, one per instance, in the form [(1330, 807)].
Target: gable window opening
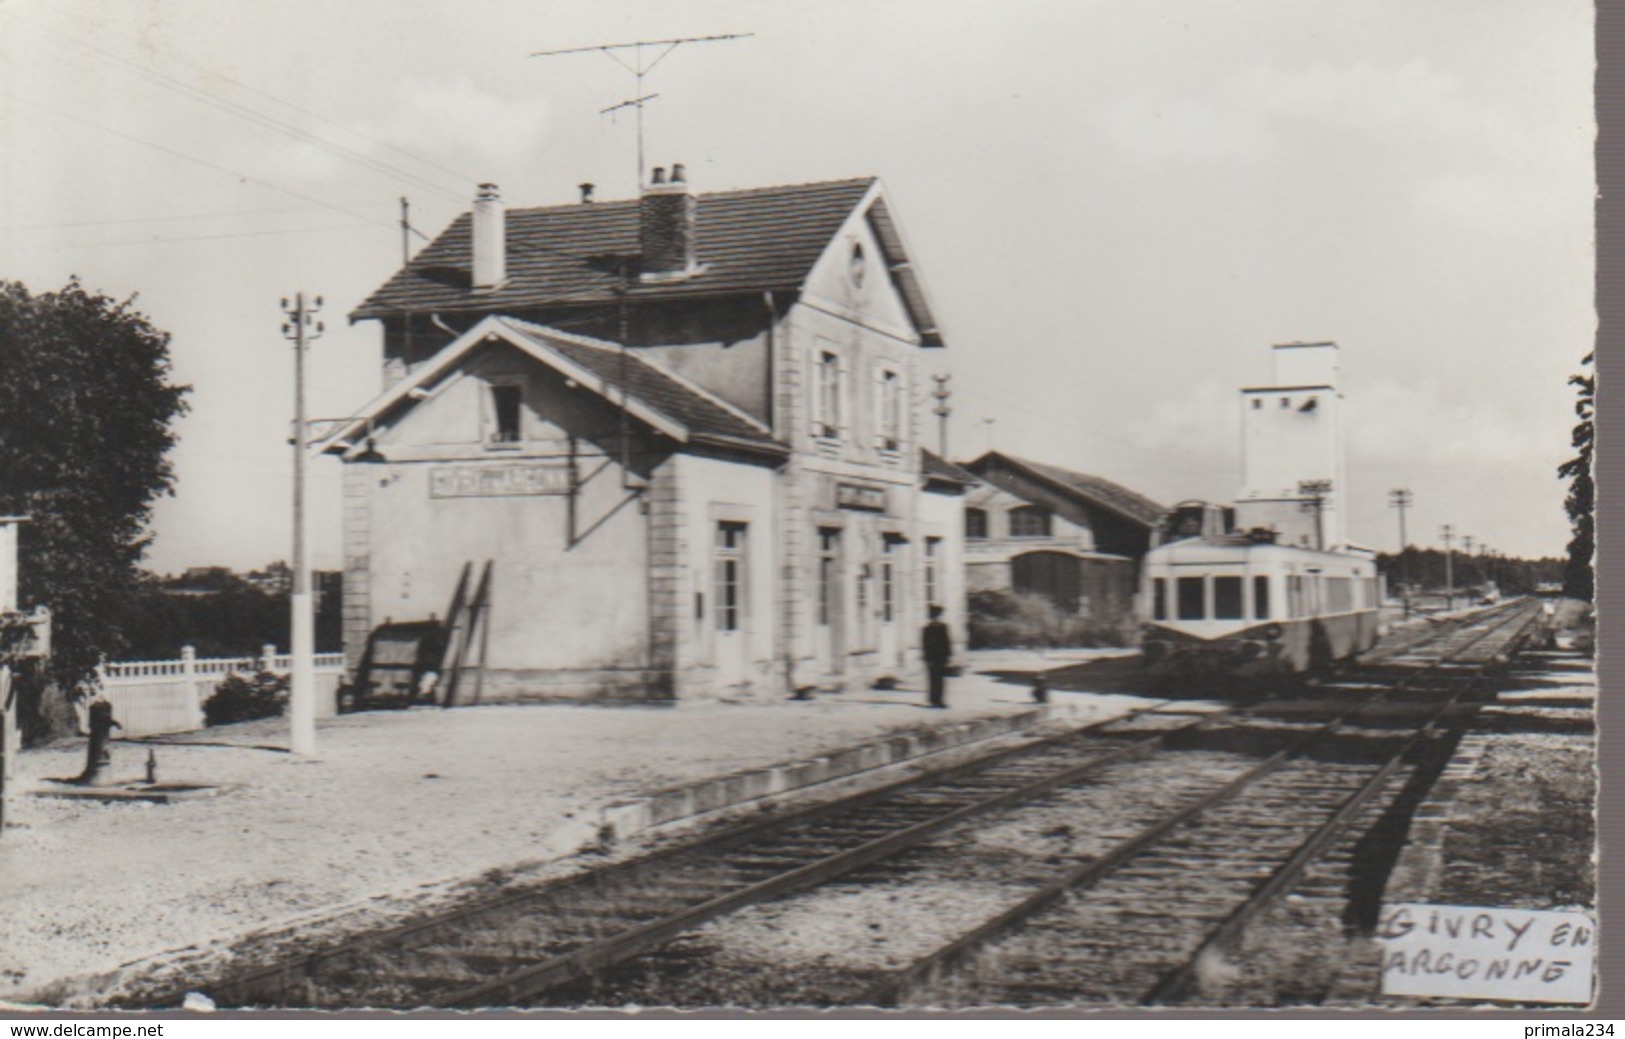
[(1029, 521), (976, 524), (506, 400)]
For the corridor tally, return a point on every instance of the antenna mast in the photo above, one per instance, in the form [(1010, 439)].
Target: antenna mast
[(639, 68)]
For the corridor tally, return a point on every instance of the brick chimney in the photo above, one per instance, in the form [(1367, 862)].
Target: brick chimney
[(666, 226), (490, 239)]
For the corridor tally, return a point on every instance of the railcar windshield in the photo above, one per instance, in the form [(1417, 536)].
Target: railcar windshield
[(1227, 599)]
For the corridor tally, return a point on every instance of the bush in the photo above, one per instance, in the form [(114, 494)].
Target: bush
[(240, 699), (1022, 620)]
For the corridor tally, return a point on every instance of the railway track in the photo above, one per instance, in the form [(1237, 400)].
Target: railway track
[(1156, 920), (571, 940)]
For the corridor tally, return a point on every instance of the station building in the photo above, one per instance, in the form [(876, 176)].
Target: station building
[(1074, 538), (684, 429)]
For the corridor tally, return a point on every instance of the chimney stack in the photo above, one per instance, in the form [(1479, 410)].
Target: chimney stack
[(586, 190), (490, 239), (666, 226)]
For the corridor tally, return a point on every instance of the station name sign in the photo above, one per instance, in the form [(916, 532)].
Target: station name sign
[(858, 496), (498, 481)]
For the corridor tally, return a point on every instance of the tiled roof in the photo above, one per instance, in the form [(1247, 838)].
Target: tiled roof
[(748, 241), (1091, 489), (663, 399), (669, 394)]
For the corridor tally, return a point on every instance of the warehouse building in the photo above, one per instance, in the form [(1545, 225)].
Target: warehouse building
[(1075, 539)]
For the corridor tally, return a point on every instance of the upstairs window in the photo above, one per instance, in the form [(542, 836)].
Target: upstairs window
[(888, 410), (504, 427), (976, 524), (827, 395), (1029, 521)]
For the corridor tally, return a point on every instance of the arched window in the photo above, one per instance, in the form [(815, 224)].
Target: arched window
[(1029, 521), (976, 523)]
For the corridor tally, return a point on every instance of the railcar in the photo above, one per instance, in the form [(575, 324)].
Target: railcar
[(1216, 601)]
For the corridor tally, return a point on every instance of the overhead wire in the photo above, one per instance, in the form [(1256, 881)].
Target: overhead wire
[(206, 238), (177, 153), (70, 224), (247, 113)]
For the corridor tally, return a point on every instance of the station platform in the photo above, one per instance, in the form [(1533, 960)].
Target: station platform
[(402, 809)]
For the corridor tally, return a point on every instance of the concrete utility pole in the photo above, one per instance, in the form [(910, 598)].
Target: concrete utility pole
[(942, 411), (1317, 492), (1400, 498), (1448, 532), (301, 327)]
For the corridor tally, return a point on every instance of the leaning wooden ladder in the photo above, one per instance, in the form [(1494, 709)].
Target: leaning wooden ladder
[(468, 625)]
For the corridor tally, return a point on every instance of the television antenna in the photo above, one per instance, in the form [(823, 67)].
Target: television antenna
[(640, 65)]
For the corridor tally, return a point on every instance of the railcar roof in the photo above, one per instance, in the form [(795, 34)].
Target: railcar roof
[(1190, 551)]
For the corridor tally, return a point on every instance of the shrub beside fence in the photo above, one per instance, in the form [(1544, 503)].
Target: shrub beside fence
[(156, 697)]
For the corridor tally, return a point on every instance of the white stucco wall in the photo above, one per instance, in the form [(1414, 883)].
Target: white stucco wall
[(713, 491)]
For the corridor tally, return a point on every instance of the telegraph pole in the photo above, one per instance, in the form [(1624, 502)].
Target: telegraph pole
[(301, 327), (1448, 532), (942, 410), (1400, 498)]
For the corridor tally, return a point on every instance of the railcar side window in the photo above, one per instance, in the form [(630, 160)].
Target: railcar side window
[(1191, 606), (1159, 599), (1227, 598), (1261, 598), (1339, 595)]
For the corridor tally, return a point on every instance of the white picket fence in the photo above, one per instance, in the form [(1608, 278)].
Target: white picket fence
[(153, 697)]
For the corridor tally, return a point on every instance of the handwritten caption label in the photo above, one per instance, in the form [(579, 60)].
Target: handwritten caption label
[(1467, 952)]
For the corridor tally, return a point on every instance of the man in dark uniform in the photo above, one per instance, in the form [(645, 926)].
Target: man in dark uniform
[(937, 648)]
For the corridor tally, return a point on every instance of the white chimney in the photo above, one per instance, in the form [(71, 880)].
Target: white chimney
[(490, 239)]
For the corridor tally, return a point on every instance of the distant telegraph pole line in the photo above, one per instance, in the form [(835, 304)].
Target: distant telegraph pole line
[(1447, 532), (639, 68), (301, 326)]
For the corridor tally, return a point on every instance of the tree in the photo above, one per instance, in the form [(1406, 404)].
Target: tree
[(1578, 578), (86, 413)]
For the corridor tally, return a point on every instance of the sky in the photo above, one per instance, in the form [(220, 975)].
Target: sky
[(1117, 206)]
